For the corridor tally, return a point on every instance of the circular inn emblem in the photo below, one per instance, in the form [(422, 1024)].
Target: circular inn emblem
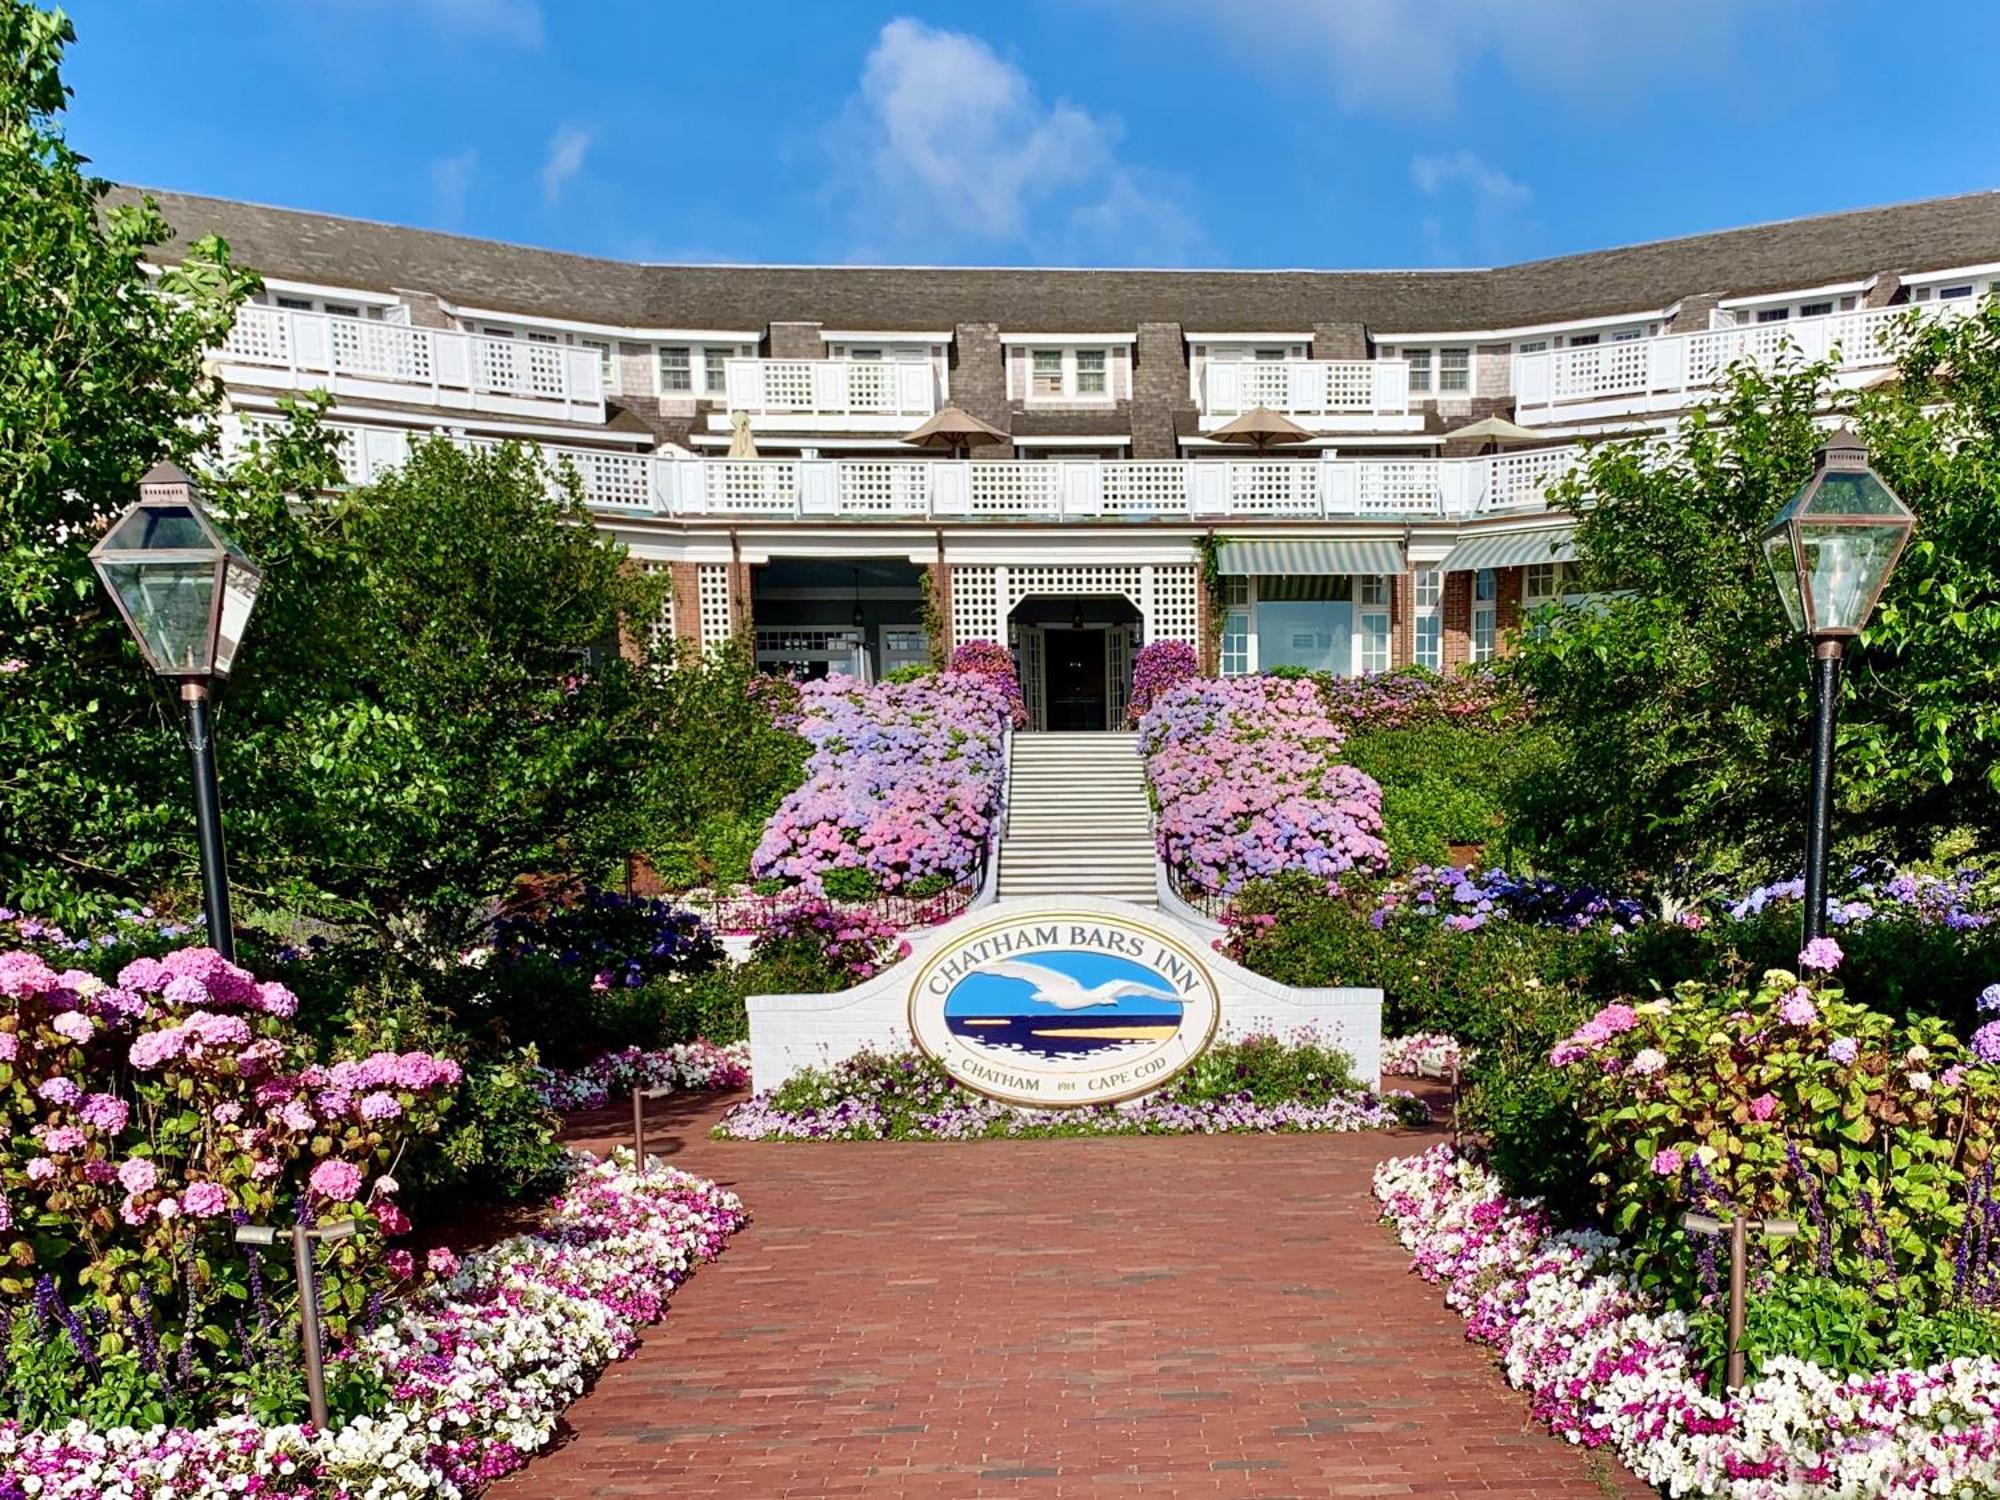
[(1056, 1009)]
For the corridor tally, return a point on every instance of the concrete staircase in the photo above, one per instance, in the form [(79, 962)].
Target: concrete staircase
[(1077, 819)]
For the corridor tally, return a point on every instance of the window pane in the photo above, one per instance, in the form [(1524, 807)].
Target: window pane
[(1486, 584), (676, 374), (1454, 369), (1430, 587), (1581, 340), (1306, 633), (1815, 309), (714, 364), (1420, 368), (1048, 377), (1773, 314), (1430, 643), (1374, 641), (1236, 643), (1090, 372)]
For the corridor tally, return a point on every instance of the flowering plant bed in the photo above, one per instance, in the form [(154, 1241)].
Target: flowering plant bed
[(1606, 1367), (1257, 1085), (1428, 1054), (901, 789), (1246, 775), (476, 1371), (684, 1067)]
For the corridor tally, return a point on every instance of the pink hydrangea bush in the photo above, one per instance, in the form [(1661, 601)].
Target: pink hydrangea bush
[(994, 660), (1159, 665), (1787, 1100), (903, 783), (142, 1118), (1248, 781), (1605, 1367), (477, 1369), (685, 1066)]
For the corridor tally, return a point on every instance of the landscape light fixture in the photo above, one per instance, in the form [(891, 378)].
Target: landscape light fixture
[(1739, 1230), (303, 1238), (1831, 551), (185, 591)]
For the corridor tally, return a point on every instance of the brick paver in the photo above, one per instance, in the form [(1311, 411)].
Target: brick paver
[(1202, 1317)]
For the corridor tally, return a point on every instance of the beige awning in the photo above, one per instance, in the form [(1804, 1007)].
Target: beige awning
[(1259, 428), (955, 429), (1496, 430)]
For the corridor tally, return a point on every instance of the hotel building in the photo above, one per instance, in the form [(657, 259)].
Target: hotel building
[(1376, 540)]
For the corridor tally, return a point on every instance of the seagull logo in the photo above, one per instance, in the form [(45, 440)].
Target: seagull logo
[(1053, 987)]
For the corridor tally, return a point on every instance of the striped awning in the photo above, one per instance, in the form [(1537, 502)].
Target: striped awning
[(1319, 555), (1510, 549)]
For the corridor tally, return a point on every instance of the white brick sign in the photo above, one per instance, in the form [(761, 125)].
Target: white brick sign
[(1070, 1000)]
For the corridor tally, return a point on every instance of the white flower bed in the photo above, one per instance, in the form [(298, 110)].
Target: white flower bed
[(478, 1372), (1427, 1054), (1604, 1368)]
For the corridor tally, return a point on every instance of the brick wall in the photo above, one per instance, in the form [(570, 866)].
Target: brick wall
[(1159, 389), (1455, 610), (1507, 606), (426, 311), (797, 341), (1693, 314), (979, 380), (740, 621), (1339, 341), (1402, 620), (686, 601)]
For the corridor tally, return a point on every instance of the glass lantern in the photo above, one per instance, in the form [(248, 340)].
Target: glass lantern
[(1832, 548), (184, 589)]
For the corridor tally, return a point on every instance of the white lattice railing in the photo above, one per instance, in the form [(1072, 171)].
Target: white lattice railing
[(1073, 489), (608, 479), (1658, 374), (430, 366), (1307, 387), (898, 388)]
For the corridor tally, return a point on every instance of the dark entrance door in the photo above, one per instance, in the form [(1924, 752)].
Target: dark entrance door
[(1075, 678)]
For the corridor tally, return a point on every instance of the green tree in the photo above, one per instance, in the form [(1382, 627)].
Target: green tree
[(1678, 699), (1674, 696), (1927, 752), (435, 701), (100, 375)]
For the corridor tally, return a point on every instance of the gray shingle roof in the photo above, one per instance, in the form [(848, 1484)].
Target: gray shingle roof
[(356, 253)]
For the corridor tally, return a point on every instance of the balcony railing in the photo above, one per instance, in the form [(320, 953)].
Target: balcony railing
[(889, 391), (428, 366), (610, 480), (1643, 376), (1070, 489), (1307, 388)]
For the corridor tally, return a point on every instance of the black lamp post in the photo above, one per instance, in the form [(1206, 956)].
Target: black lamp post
[(1831, 551), (185, 592)]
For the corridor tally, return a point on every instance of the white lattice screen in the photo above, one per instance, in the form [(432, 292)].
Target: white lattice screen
[(713, 590), (1174, 588), (975, 611), (663, 624), (1065, 579)]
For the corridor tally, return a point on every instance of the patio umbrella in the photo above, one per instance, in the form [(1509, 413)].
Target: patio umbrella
[(742, 444), (957, 430), (1259, 428), (1497, 431)]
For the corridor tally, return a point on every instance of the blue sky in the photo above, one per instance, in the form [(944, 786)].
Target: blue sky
[(1097, 132)]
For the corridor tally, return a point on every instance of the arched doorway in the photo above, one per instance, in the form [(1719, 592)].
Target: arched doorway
[(1075, 653)]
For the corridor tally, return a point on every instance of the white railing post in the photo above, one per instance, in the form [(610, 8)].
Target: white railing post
[(1392, 386), (1340, 485), (951, 486), (819, 487), (1082, 486)]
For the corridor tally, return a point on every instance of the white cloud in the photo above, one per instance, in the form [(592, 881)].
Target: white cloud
[(1469, 170), (1408, 57), (951, 144), (451, 180), (516, 21), (1473, 201), (567, 149)]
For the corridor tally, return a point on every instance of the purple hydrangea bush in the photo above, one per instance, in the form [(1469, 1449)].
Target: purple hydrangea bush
[(1248, 782), (991, 659), (903, 783)]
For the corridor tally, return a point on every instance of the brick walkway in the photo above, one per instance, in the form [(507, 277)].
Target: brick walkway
[(1155, 1317)]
